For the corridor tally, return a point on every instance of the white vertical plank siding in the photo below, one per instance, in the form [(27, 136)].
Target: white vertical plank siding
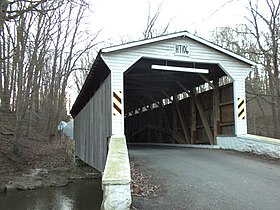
[(118, 121), (119, 61), (92, 126), (239, 92)]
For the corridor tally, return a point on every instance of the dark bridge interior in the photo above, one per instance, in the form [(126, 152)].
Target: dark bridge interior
[(163, 106)]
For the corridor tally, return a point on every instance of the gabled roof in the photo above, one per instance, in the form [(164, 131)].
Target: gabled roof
[(175, 35), (100, 70), (98, 73)]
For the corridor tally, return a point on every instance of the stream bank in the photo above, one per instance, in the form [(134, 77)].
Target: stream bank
[(42, 164)]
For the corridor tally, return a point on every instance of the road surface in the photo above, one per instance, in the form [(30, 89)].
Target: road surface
[(207, 179)]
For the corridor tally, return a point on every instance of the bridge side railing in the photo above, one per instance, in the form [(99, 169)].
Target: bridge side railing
[(116, 177)]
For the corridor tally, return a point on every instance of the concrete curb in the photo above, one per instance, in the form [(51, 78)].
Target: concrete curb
[(243, 143), (262, 139), (251, 143), (195, 146)]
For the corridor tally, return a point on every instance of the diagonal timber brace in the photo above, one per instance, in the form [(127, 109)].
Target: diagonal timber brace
[(201, 112)]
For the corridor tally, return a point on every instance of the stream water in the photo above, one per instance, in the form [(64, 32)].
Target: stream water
[(80, 195)]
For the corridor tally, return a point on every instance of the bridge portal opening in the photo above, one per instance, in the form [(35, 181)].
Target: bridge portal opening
[(177, 102), (167, 89)]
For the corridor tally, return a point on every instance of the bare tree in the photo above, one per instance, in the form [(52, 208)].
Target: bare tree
[(81, 73), (151, 29), (259, 41), (268, 37), (41, 43), (9, 11)]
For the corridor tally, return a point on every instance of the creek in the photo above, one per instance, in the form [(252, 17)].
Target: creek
[(79, 195)]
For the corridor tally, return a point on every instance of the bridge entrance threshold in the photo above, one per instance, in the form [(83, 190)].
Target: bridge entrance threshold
[(206, 179)]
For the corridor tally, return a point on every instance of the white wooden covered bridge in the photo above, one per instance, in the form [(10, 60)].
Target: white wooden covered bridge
[(151, 91), (169, 89)]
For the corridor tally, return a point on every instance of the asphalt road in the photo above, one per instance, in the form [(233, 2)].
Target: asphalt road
[(208, 179)]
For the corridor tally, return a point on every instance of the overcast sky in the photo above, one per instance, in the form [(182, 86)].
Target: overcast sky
[(129, 17)]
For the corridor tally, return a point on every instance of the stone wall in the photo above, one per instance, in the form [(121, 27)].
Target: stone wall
[(251, 143)]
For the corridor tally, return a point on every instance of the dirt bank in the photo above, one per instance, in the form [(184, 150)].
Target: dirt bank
[(40, 162)]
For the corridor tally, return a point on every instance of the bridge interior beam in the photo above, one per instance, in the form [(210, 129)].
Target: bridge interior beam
[(169, 106)]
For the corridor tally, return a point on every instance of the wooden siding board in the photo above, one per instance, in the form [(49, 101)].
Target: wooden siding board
[(124, 59), (227, 114), (195, 126), (93, 126)]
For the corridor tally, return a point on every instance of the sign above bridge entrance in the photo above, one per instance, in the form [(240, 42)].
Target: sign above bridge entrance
[(181, 49)]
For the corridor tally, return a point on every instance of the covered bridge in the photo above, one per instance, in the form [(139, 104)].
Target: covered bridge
[(168, 89)]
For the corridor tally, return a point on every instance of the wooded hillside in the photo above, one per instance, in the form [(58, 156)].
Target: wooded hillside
[(41, 44)]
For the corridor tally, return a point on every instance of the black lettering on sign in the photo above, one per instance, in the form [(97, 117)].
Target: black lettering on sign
[(181, 49)]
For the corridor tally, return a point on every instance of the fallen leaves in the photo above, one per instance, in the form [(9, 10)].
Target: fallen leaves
[(142, 185)]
